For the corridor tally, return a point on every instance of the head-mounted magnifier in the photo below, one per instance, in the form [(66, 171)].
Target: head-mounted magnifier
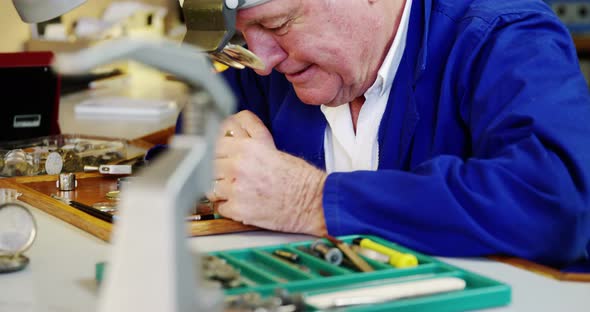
[(211, 25)]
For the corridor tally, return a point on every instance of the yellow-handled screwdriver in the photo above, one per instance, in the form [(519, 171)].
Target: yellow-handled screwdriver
[(396, 258)]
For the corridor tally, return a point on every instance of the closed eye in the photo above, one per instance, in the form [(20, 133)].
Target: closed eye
[(278, 30)]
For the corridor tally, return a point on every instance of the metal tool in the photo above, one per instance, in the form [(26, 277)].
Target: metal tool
[(287, 255), (113, 195), (211, 25), (238, 57), (104, 216), (356, 260), (217, 269), (18, 230), (109, 207), (330, 254), (292, 264), (66, 182), (110, 169), (202, 217), (281, 301)]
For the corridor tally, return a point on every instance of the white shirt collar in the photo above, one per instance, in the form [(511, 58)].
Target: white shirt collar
[(346, 150), (388, 69)]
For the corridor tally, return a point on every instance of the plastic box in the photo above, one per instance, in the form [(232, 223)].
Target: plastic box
[(265, 273)]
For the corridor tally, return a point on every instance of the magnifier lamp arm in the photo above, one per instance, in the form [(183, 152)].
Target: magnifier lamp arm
[(186, 62), (35, 11), (150, 268)]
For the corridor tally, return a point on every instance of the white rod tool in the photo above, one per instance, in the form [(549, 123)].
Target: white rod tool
[(385, 293)]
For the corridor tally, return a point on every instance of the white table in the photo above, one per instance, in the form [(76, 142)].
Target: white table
[(60, 276)]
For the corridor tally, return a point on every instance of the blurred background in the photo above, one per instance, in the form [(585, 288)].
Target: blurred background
[(136, 99), (102, 19), (93, 21), (576, 16)]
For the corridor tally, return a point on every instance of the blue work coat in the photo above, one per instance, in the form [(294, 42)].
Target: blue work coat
[(484, 147)]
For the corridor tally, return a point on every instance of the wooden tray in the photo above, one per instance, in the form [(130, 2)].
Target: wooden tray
[(92, 187), (543, 270)]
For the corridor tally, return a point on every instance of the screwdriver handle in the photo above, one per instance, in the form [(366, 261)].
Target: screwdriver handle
[(396, 258)]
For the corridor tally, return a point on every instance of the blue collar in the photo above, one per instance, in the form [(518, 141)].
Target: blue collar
[(420, 24)]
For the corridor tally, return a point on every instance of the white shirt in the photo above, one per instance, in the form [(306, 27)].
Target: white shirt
[(345, 151)]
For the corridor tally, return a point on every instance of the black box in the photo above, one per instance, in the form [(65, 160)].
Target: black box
[(29, 96)]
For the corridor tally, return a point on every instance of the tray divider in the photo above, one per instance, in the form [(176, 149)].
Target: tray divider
[(319, 263), (250, 269), (283, 265)]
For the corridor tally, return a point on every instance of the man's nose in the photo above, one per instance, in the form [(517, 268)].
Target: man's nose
[(265, 46)]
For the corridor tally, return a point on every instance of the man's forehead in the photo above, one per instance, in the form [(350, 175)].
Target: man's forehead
[(251, 3), (271, 10)]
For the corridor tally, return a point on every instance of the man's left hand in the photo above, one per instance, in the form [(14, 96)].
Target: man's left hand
[(259, 185)]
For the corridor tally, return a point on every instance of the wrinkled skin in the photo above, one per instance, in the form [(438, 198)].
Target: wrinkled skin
[(259, 185), (321, 47)]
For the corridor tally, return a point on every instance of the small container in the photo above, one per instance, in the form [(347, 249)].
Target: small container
[(57, 154), (8, 195), (66, 182)]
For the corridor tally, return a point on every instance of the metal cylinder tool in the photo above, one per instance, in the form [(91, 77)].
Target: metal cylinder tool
[(66, 182), (330, 254)]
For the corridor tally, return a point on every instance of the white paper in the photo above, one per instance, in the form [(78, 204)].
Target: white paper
[(125, 108)]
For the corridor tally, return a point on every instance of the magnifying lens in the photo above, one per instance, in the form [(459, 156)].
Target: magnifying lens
[(17, 233), (211, 25)]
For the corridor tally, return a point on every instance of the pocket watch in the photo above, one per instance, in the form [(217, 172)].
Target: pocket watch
[(17, 233)]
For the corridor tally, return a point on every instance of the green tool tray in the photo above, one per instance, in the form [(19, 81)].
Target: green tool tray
[(264, 273)]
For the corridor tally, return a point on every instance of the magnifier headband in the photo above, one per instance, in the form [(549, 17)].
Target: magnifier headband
[(251, 3)]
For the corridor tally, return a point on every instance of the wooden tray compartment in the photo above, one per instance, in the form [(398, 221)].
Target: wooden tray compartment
[(92, 188)]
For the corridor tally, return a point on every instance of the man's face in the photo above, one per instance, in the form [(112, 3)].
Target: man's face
[(325, 48)]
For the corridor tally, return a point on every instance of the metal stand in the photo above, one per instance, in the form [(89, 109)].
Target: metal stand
[(151, 268)]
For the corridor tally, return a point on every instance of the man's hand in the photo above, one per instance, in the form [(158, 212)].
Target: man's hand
[(259, 185)]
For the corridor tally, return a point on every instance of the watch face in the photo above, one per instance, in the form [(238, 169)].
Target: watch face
[(17, 229)]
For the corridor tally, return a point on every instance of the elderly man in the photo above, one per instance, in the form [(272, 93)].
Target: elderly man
[(457, 128)]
